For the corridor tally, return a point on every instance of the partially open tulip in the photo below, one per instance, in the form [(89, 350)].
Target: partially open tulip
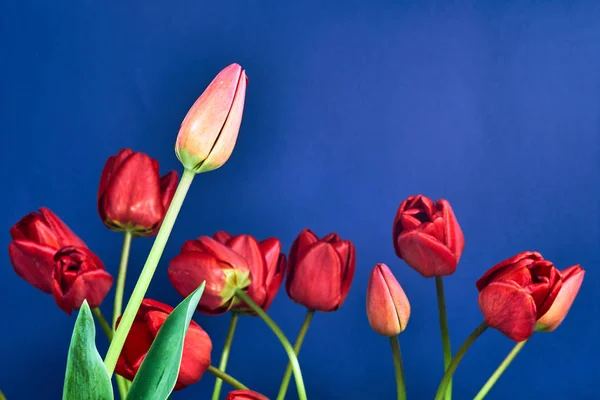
[(132, 196), (320, 271), (79, 275), (514, 294), (209, 131), (224, 271), (572, 278), (197, 345), (427, 236), (388, 308), (245, 395), (266, 264)]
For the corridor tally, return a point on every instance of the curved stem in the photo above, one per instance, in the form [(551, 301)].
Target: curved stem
[(457, 358), (225, 354), (400, 385), (297, 346), (118, 305), (147, 272), (284, 341), (439, 288), (2, 396), (103, 323), (226, 378), (500, 370)]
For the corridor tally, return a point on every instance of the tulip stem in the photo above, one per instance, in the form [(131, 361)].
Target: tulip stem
[(103, 323), (400, 385), (147, 272), (225, 354), (457, 358), (297, 346), (2, 396), (500, 370), (439, 288), (118, 305), (284, 341), (226, 378)]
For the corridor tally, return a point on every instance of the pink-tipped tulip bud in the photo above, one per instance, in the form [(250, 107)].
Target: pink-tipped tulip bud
[(388, 308), (572, 278), (427, 236), (209, 131), (245, 395)]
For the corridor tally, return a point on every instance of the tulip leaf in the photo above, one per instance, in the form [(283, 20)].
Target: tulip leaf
[(158, 373), (86, 377)]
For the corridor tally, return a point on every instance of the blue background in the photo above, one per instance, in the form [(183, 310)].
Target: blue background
[(351, 108)]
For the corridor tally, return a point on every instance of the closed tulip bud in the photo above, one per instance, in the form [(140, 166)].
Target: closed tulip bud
[(514, 294), (388, 308), (245, 395), (266, 264), (320, 271), (224, 271), (572, 278), (427, 236), (132, 196), (209, 130), (151, 315)]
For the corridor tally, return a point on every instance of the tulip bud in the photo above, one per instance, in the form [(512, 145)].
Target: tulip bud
[(209, 130), (572, 278), (245, 395), (388, 308)]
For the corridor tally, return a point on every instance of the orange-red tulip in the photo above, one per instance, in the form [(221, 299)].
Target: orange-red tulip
[(572, 278), (388, 308)]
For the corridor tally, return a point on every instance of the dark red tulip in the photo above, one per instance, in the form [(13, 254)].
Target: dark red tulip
[(79, 275), (224, 271), (132, 195), (320, 271), (245, 395), (572, 278), (514, 294), (266, 263), (427, 236), (197, 345)]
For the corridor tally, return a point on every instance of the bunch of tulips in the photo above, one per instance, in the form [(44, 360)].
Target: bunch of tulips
[(156, 349)]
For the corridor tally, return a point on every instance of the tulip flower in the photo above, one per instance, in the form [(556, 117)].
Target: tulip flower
[(427, 236), (266, 264), (209, 131), (388, 308), (197, 345), (320, 271), (572, 278), (224, 271), (132, 196), (515, 293), (245, 395)]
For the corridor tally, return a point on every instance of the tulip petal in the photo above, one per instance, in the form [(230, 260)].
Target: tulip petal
[(91, 286), (33, 263), (508, 308), (572, 280), (302, 242), (168, 185), (274, 281), (222, 253), (426, 254), (247, 247), (453, 235), (348, 258), (136, 346), (64, 234), (500, 268), (222, 237)]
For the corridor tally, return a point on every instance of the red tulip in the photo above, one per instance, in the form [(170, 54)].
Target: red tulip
[(36, 239), (514, 294), (266, 263), (572, 278), (245, 395), (320, 271), (388, 308), (224, 271), (209, 131), (148, 320), (79, 275), (132, 195)]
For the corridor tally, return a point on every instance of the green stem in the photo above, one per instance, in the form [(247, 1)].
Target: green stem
[(225, 354), (284, 341), (2, 396), (297, 346), (118, 305), (439, 288), (147, 272), (400, 385), (226, 378), (457, 358), (103, 323), (500, 370)]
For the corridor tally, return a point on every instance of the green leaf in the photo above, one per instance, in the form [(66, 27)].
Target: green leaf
[(158, 373), (86, 377)]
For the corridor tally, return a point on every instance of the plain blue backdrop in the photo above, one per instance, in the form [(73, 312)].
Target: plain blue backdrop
[(351, 107)]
